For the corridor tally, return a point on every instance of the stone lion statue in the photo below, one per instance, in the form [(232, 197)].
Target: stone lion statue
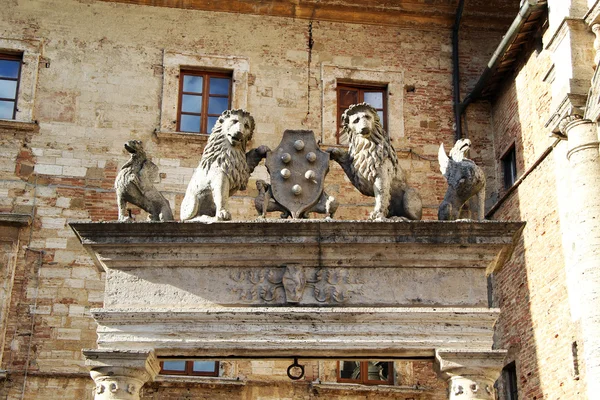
[(224, 168), (466, 181), (372, 165), (134, 184)]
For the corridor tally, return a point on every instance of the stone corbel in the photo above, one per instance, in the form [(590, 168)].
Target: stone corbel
[(120, 374), (571, 109), (470, 374)]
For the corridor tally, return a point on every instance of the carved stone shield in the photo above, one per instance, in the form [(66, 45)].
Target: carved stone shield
[(297, 168)]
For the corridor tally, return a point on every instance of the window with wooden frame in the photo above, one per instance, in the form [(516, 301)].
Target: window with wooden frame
[(348, 94), (366, 372), (203, 96), (509, 167), (189, 367), (10, 74)]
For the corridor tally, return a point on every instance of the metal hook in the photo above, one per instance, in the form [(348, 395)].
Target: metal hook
[(295, 365)]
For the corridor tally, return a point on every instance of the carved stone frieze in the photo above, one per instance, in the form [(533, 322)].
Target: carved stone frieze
[(287, 285)]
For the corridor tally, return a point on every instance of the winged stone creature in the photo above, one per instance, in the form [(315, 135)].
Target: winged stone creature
[(466, 182)]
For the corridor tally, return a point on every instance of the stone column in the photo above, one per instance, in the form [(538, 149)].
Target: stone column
[(120, 374), (584, 227), (470, 374)]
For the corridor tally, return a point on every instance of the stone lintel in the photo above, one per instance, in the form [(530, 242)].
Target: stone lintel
[(11, 219), (469, 361), (290, 331), (310, 243)]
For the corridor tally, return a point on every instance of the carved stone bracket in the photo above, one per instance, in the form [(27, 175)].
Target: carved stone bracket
[(470, 374), (120, 374), (287, 284), (571, 109)]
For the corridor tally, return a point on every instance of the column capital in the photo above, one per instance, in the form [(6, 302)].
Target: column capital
[(120, 374), (470, 373)]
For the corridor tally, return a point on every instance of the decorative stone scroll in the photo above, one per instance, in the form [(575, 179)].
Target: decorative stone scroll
[(287, 285)]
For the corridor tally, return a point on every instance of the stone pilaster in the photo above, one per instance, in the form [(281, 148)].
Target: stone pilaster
[(584, 162), (120, 374), (470, 374)]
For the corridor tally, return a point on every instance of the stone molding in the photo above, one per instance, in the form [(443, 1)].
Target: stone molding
[(470, 373), (120, 374), (306, 242), (297, 331)]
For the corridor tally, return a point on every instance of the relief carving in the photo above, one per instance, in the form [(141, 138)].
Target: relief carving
[(287, 285)]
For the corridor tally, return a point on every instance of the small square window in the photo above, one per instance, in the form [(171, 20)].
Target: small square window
[(203, 96), (509, 167), (189, 367), (366, 372), (348, 94), (10, 75)]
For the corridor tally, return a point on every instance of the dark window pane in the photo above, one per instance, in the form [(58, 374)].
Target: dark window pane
[(174, 366), (8, 89), (216, 105), (192, 83), (211, 123), (191, 103), (7, 109), (374, 98), (204, 366), (380, 113), (189, 123), (219, 86), (378, 371), (9, 68), (348, 97), (350, 369)]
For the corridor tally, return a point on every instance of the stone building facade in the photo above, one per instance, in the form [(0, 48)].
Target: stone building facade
[(94, 74)]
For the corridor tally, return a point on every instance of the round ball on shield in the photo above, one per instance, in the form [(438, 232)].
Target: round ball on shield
[(297, 190), (298, 145), (285, 173), (310, 175), (286, 158), (311, 157)]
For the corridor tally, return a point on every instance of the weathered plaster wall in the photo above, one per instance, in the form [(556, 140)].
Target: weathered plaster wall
[(101, 83)]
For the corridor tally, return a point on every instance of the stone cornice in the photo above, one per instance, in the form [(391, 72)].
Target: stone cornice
[(409, 13)]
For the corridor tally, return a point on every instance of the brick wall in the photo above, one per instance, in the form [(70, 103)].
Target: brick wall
[(535, 323)]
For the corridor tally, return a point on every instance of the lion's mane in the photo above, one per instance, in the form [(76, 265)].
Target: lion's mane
[(368, 154), (231, 160)]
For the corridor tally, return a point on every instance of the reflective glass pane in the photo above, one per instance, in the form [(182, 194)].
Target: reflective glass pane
[(211, 123), (189, 123), (204, 366), (348, 97), (191, 103), (374, 98), (192, 83), (7, 109), (174, 365), (380, 113), (350, 369), (219, 86), (378, 371), (216, 105), (9, 68), (8, 89)]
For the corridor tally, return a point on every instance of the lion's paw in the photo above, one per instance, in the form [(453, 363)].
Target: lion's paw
[(223, 215), (377, 216)]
